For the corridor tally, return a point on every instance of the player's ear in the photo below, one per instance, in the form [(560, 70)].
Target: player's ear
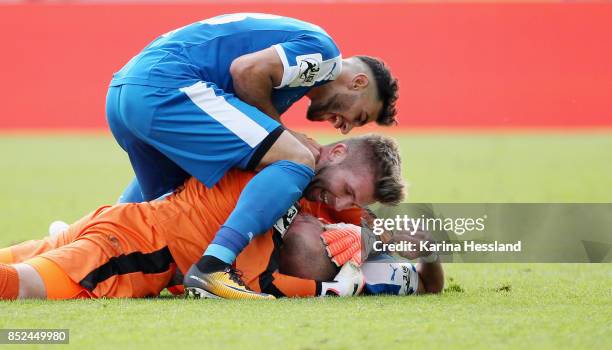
[(338, 153), (360, 81)]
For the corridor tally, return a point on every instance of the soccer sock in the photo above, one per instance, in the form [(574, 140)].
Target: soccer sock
[(209, 263), (6, 256), (9, 282), (263, 200)]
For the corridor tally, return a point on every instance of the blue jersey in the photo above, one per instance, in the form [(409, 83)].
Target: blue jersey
[(204, 51)]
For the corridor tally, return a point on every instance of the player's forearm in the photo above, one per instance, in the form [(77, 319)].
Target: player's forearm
[(414, 239), (386, 236), (254, 87), (396, 236), (389, 238), (431, 276)]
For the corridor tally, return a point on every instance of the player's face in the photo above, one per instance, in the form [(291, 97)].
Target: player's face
[(345, 110), (341, 188)]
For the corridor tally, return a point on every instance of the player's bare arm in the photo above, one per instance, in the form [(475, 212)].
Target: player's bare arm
[(255, 75), (431, 277)]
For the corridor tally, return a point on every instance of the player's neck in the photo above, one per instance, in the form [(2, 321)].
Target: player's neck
[(319, 93)]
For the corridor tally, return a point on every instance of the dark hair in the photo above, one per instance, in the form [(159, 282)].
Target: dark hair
[(383, 156), (303, 255), (387, 87)]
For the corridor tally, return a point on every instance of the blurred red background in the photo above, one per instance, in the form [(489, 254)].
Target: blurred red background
[(490, 65)]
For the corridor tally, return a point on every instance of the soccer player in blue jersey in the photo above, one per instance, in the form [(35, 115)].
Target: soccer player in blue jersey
[(208, 97)]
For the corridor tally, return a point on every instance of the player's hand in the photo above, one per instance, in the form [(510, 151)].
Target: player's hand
[(416, 237), (347, 283), (347, 242)]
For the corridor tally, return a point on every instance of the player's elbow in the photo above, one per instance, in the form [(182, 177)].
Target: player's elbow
[(431, 278), (244, 71), (239, 69), (434, 284), (434, 287)]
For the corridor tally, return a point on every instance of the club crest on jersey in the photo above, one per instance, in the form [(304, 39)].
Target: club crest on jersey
[(309, 67), (282, 224)]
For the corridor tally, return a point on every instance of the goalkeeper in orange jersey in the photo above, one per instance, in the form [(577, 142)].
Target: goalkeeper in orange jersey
[(134, 250)]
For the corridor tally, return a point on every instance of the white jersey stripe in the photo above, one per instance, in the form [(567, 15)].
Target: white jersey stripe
[(229, 116), (289, 73)]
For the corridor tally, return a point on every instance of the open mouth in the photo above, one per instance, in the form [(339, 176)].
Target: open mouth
[(337, 121), (324, 197)]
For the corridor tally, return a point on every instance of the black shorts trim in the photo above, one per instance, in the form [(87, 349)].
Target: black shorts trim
[(264, 147), (147, 263)]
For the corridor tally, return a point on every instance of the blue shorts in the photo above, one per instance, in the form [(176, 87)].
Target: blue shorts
[(197, 130)]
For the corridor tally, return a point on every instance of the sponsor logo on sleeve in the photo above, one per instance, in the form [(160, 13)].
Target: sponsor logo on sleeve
[(309, 67)]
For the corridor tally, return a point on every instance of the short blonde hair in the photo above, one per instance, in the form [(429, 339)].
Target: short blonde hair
[(382, 154)]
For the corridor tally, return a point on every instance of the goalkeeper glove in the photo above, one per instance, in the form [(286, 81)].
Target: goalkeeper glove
[(347, 283), (348, 242)]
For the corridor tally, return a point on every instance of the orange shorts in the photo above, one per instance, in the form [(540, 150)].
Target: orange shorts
[(113, 252)]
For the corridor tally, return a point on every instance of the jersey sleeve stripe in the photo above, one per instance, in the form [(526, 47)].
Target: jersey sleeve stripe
[(289, 72)]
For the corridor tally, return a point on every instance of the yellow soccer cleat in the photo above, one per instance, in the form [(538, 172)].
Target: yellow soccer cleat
[(226, 284)]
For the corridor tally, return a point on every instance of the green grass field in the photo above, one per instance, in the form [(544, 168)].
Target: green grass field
[(44, 178)]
